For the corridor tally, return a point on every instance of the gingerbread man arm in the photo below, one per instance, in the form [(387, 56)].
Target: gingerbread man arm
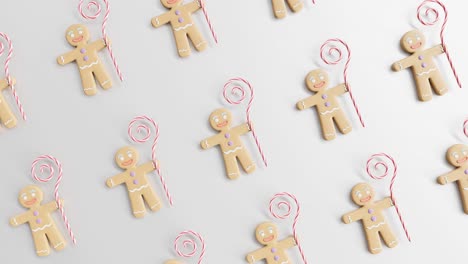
[(19, 219), (4, 83), (385, 203), (339, 90), (148, 167), (67, 57), (161, 20), (116, 180), (450, 177), (256, 255), (289, 242), (307, 103), (52, 206), (403, 64), (193, 6), (99, 44), (352, 216), (242, 129), (436, 50), (210, 142)]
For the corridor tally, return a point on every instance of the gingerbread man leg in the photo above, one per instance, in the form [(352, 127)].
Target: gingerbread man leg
[(388, 237), (6, 116), (463, 187), (373, 240), (438, 83), (423, 87), (102, 76), (232, 168), (245, 161), (279, 8), (342, 122), (328, 127), (197, 39), (151, 199), (88, 81), (55, 238), (295, 5), (41, 243), (138, 205), (182, 43)]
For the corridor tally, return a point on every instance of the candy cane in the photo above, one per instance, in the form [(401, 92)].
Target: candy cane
[(201, 3), (434, 11), (235, 90), (286, 209), (7, 72), (465, 127), (45, 164), (190, 244), (93, 16), (333, 48), (143, 128), (375, 167)]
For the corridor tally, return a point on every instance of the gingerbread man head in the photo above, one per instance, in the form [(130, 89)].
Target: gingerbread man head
[(126, 157), (220, 119), (317, 80), (30, 196), (413, 41), (266, 233), (171, 3), (457, 155), (77, 34), (362, 194)]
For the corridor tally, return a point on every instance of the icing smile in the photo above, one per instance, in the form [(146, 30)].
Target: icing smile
[(268, 239), (462, 160), (223, 124), (417, 45), (366, 199), (128, 162), (31, 202), (171, 1), (319, 85), (78, 39)]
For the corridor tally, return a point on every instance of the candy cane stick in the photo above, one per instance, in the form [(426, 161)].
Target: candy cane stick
[(46, 165), (190, 244), (235, 90), (7, 72), (143, 128), (331, 49), (201, 3), (434, 11), (378, 163), (285, 204), (96, 14), (465, 127)]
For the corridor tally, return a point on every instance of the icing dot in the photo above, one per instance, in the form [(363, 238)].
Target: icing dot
[(38, 220), (132, 173), (227, 135), (36, 213), (230, 143), (324, 96), (82, 51), (177, 12), (466, 171), (420, 57), (370, 211), (273, 250), (423, 65), (373, 218), (181, 20), (327, 104), (135, 182), (276, 258), (85, 58)]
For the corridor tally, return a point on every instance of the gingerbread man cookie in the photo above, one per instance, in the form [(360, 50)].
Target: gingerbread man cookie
[(279, 7), (86, 56), (230, 143), (372, 217), (457, 156), (40, 221), (273, 251), (426, 73), (326, 101), (139, 189), (7, 117), (180, 18)]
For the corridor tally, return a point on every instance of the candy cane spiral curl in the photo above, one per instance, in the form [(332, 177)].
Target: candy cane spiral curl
[(7, 71), (91, 11), (283, 209), (232, 88), (47, 164), (190, 245), (465, 127), (374, 165), (424, 18), (142, 128), (327, 50)]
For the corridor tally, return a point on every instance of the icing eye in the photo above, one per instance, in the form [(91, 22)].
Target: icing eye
[(129, 154), (33, 194), (418, 38), (261, 233), (359, 195), (121, 158), (322, 77), (225, 116), (216, 120), (312, 80), (72, 35), (465, 152), (25, 197), (80, 32), (410, 41), (455, 155), (270, 230), (367, 192)]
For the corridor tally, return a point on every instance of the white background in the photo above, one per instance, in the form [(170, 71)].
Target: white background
[(275, 55)]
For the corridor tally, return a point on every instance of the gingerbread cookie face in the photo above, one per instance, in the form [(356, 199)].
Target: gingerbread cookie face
[(77, 35), (30, 196), (362, 194), (266, 233), (413, 41), (171, 3), (457, 155), (126, 157), (220, 119), (317, 80)]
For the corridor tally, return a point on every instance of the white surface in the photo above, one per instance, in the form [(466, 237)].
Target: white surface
[(275, 55)]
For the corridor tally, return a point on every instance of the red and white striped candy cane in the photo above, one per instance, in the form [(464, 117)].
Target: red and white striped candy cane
[(189, 244), (46, 164), (239, 91), (431, 10), (373, 164), (332, 48), (285, 208), (465, 127), (142, 128), (97, 12), (7, 71), (208, 20)]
